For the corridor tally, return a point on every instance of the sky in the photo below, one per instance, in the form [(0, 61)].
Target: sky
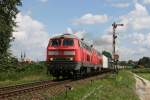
[(39, 20)]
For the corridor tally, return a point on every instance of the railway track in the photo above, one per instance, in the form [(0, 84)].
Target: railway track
[(21, 85), (9, 91)]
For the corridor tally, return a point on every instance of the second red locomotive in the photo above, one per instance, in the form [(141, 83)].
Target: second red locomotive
[(69, 56)]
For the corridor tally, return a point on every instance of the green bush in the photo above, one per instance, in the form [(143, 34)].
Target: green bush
[(23, 70)]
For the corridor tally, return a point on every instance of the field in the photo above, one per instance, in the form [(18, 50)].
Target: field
[(113, 87), (144, 72), (145, 75)]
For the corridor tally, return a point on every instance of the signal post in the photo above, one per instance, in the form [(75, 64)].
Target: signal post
[(114, 55)]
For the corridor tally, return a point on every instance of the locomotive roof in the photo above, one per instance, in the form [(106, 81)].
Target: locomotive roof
[(65, 36), (73, 36)]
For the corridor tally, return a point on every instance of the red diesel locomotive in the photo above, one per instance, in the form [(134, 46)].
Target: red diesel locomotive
[(68, 56)]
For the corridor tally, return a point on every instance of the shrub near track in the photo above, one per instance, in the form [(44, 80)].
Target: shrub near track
[(24, 74), (113, 87)]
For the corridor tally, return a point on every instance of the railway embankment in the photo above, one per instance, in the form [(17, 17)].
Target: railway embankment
[(111, 87)]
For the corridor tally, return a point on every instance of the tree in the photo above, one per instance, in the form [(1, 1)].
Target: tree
[(8, 12), (122, 63), (145, 61)]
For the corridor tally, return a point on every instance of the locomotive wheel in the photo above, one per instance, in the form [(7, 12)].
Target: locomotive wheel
[(77, 74), (83, 72)]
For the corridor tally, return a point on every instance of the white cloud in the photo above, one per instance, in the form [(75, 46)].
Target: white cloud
[(44, 1), (103, 42), (138, 18), (91, 19), (126, 53), (139, 10), (137, 38), (139, 45), (121, 5), (140, 39), (146, 1), (29, 12), (80, 33), (69, 30), (30, 37), (105, 39), (134, 53)]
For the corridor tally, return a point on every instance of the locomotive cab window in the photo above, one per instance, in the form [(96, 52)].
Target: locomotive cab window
[(55, 42), (68, 42)]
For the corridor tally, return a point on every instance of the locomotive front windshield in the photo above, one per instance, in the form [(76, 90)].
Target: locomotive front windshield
[(63, 42), (68, 42), (55, 42)]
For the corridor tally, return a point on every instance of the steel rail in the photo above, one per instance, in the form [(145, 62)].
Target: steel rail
[(19, 89)]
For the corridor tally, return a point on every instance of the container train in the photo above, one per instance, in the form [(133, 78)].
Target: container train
[(69, 56)]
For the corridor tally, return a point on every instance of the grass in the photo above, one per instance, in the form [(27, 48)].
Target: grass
[(24, 74), (143, 72), (144, 75), (114, 87), (25, 79)]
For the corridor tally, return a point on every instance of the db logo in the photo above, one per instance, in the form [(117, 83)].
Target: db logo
[(60, 52)]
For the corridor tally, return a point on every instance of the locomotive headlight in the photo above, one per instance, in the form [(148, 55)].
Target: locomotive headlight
[(53, 53), (71, 58), (69, 52), (51, 59)]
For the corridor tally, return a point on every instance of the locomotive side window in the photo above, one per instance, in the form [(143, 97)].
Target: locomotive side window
[(68, 42), (88, 57), (83, 45), (55, 42)]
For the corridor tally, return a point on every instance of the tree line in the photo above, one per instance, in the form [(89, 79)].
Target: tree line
[(8, 11), (143, 62)]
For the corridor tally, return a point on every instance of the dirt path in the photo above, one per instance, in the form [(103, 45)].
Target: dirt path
[(142, 88)]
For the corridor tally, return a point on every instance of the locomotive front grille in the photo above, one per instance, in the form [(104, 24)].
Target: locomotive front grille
[(62, 59)]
